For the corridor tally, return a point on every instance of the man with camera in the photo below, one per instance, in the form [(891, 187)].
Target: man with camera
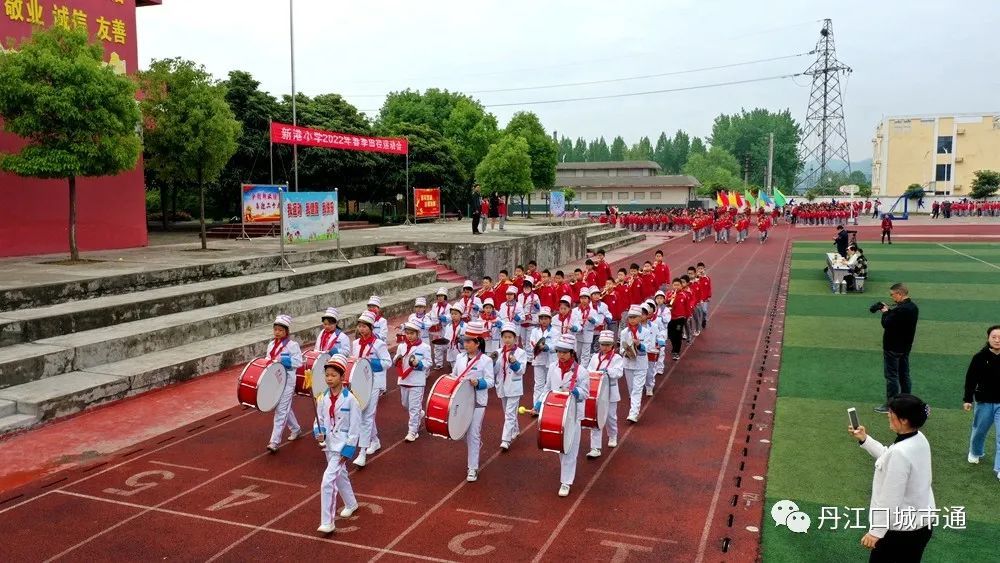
[(899, 324)]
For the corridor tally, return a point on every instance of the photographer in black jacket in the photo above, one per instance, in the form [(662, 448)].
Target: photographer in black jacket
[(899, 325)]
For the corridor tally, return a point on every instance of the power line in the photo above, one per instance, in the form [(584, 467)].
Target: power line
[(609, 80)]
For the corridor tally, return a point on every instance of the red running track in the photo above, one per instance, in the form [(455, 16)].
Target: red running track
[(674, 488)]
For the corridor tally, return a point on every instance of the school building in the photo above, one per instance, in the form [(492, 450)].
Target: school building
[(939, 152), (629, 185)]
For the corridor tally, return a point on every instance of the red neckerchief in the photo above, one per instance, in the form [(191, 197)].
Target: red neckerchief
[(399, 363), (584, 316), (378, 315), (324, 342), (600, 360), (334, 397), (635, 332), (564, 367), (454, 333), (562, 322), (466, 300), (503, 361), (508, 304), (469, 367), (441, 307), (276, 351), (366, 345)]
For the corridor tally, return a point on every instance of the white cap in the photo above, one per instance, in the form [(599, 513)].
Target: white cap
[(368, 318), (593, 289), (420, 302), (410, 325), (283, 320), (456, 306), (442, 291), (488, 301), (647, 308), (509, 327), (566, 299), (375, 300), (475, 329), (529, 279), (660, 294), (468, 285), (584, 292), (606, 337), (511, 289), (634, 311), (566, 342), (337, 361), (332, 313), (545, 312)]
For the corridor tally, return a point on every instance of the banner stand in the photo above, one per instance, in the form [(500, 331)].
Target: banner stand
[(340, 253), (407, 189), (281, 233)]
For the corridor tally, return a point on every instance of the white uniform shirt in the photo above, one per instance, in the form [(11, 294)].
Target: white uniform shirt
[(586, 315), (546, 356), (454, 333), (440, 315), (470, 306), (509, 381), (603, 315), (530, 304), (493, 340), (559, 381), (902, 481), (613, 365), (510, 312), (565, 326), (414, 376), (336, 340), (481, 372), (342, 429), (290, 347), (381, 328), (425, 321), (377, 350), (645, 339)]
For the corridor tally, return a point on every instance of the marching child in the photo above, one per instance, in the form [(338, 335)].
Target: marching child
[(542, 340), (490, 321), (696, 297), (633, 343), (763, 225), (509, 365), (381, 326), (339, 426), (439, 311), (706, 292), (588, 320), (412, 361), (454, 331), (649, 321), (369, 346), (285, 351), (604, 317), (662, 315), (331, 339), (420, 318), (530, 304), (510, 312), (475, 367), (566, 376), (679, 305), (568, 320), (612, 365), (470, 305), (686, 289)]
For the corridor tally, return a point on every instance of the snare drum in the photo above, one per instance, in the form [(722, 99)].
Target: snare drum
[(361, 380), (595, 408), (400, 337), (312, 370), (652, 356), (439, 341), (450, 407), (558, 427), (260, 384)]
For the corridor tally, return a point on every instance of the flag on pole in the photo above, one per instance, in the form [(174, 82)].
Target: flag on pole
[(751, 202), (733, 200), (740, 202), (779, 198), (718, 198), (764, 199)]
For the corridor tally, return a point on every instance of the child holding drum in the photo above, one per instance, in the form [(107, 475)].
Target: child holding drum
[(612, 364), (542, 340), (566, 376), (509, 365), (453, 333), (338, 424), (369, 346), (474, 366), (413, 361), (380, 326), (285, 351), (331, 339), (439, 313)]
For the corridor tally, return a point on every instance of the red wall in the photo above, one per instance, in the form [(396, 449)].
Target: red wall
[(111, 211)]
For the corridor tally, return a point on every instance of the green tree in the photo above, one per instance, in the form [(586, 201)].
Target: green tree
[(189, 130), (541, 148), (679, 148), (77, 117), (580, 150), (865, 191), (506, 170), (565, 150), (715, 170), (643, 150), (985, 183), (745, 136), (661, 154), (914, 191), (697, 147), (618, 148), (603, 153), (433, 164), (569, 194)]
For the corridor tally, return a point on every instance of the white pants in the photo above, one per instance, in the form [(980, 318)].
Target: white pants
[(660, 360), (473, 438), (651, 373), (413, 401), (510, 427), (541, 385), (438, 351), (583, 348), (369, 432), (636, 380), (567, 461), (597, 434), (335, 481), (283, 413)]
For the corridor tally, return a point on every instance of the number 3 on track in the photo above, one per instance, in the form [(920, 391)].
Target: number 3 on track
[(457, 543), (138, 485)]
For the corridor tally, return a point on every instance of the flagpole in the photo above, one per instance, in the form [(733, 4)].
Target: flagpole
[(770, 163), (295, 121)]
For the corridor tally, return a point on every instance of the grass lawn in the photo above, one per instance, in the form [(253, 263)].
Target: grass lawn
[(832, 360)]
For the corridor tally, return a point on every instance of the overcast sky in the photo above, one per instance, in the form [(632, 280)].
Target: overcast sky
[(908, 57)]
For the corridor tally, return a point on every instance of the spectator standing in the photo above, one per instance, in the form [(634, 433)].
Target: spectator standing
[(899, 325), (502, 207), (494, 211), (982, 397), (476, 205), (901, 484), (887, 227), (841, 241)]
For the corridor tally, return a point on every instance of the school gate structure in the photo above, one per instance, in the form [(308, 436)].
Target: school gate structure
[(111, 211)]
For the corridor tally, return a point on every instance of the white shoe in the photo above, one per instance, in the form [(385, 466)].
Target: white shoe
[(633, 419), (564, 490), (594, 453), (326, 528), (361, 460), (348, 511), (294, 436), (613, 443), (505, 445), (273, 448), (649, 391), (411, 437), (373, 447), (472, 476), (973, 459), (321, 444)]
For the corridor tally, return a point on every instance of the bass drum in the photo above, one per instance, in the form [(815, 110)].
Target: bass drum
[(450, 407), (361, 380), (595, 409), (260, 384), (558, 428), (310, 378)]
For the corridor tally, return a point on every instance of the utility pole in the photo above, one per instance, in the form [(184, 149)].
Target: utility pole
[(770, 163), (295, 121)]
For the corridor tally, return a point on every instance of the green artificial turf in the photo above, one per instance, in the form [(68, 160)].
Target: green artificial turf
[(832, 359)]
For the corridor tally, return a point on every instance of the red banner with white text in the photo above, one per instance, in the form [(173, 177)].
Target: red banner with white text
[(285, 134), (427, 203)]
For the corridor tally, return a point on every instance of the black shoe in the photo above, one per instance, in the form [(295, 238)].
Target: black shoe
[(882, 409)]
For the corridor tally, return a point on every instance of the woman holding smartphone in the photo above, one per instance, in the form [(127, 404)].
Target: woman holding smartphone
[(901, 484)]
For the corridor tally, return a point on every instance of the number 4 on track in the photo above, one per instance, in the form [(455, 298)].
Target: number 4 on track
[(248, 495)]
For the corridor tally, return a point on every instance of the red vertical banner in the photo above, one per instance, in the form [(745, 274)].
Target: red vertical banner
[(427, 203)]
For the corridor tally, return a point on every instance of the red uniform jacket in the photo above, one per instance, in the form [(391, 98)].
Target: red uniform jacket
[(661, 273), (706, 287), (680, 304), (603, 272)]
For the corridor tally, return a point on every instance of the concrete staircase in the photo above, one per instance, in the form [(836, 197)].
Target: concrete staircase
[(604, 237), (256, 230), (416, 260), (60, 359)]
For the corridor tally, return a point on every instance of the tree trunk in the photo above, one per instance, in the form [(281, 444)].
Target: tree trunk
[(164, 194), (74, 252), (529, 206), (201, 197), (173, 200)]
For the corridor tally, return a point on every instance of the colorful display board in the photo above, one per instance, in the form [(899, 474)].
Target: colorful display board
[(310, 216), (260, 203)]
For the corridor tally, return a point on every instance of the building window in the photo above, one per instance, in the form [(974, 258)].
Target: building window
[(943, 173), (606, 196), (591, 195), (640, 195), (655, 195), (944, 145), (623, 196)]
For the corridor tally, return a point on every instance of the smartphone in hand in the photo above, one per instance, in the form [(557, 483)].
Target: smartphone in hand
[(852, 414)]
